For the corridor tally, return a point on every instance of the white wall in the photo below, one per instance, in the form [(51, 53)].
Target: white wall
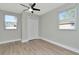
[(49, 28), (29, 26), (9, 35)]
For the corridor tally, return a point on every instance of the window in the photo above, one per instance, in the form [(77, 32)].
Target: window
[(10, 22), (67, 19)]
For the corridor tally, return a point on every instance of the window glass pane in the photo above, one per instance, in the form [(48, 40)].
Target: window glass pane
[(10, 22)]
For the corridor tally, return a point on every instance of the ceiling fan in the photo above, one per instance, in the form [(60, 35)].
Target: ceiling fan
[(30, 7)]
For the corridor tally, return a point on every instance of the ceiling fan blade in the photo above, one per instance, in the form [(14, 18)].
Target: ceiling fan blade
[(24, 5), (36, 9), (33, 5)]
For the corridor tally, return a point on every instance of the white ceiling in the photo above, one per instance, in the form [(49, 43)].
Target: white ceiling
[(15, 7)]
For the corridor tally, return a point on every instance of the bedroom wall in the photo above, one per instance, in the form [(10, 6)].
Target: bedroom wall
[(49, 28), (9, 35)]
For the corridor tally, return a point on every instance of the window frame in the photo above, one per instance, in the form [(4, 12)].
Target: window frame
[(76, 17), (4, 21)]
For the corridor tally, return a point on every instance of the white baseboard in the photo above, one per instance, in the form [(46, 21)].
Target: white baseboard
[(3, 42), (23, 41), (61, 45)]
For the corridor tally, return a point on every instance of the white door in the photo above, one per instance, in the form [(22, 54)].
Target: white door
[(33, 28)]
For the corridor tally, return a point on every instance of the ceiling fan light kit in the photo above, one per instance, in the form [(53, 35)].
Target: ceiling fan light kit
[(30, 9)]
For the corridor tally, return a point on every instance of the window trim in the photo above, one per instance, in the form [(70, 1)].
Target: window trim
[(4, 21), (76, 17)]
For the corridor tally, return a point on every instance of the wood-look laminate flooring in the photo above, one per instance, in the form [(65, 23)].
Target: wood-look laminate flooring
[(33, 47)]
